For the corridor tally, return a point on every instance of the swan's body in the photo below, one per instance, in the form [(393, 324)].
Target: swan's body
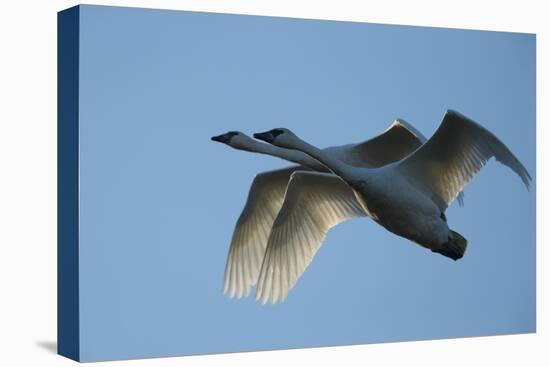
[(401, 208), (267, 192), (407, 197)]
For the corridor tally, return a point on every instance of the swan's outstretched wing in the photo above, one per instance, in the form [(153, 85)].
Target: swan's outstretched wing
[(398, 141), (314, 203), (249, 240), (453, 155)]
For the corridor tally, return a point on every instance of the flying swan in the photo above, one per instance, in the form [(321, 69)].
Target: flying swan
[(408, 197), (267, 192)]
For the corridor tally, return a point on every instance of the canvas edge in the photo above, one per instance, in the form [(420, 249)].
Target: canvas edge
[(68, 325)]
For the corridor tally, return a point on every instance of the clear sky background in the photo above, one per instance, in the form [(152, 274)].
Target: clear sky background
[(159, 200)]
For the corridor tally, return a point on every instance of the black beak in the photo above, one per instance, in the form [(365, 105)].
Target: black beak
[(224, 138), (267, 136), (219, 138)]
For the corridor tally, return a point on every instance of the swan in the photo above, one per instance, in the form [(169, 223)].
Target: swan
[(408, 197), (267, 192)]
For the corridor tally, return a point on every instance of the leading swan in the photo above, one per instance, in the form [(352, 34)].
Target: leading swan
[(408, 197), (267, 192)]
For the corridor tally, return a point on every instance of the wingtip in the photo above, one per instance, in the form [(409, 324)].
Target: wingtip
[(257, 297), (229, 295), (408, 126), (234, 293), (527, 182), (525, 176), (262, 301), (452, 112), (401, 122), (398, 122), (264, 298), (458, 115)]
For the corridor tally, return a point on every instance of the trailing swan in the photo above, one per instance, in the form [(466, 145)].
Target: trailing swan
[(408, 197), (267, 192)]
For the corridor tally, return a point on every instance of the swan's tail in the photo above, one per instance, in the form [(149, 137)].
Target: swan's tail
[(454, 247)]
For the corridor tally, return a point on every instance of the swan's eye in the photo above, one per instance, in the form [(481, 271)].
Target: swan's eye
[(276, 132), (230, 135)]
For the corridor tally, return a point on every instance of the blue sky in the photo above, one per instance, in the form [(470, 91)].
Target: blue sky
[(159, 200)]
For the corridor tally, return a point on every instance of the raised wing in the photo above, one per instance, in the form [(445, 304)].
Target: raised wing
[(314, 203), (453, 155), (398, 141), (249, 240)]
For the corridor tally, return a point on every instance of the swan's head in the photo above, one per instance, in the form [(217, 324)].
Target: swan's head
[(280, 137), (235, 139), (225, 138)]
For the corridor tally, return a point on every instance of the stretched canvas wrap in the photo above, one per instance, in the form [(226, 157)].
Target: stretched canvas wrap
[(199, 211)]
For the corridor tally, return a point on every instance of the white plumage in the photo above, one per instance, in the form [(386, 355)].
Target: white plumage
[(407, 197), (314, 203), (248, 243), (267, 193), (454, 154)]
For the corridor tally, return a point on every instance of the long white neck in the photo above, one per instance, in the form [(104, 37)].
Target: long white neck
[(286, 154), (341, 169)]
